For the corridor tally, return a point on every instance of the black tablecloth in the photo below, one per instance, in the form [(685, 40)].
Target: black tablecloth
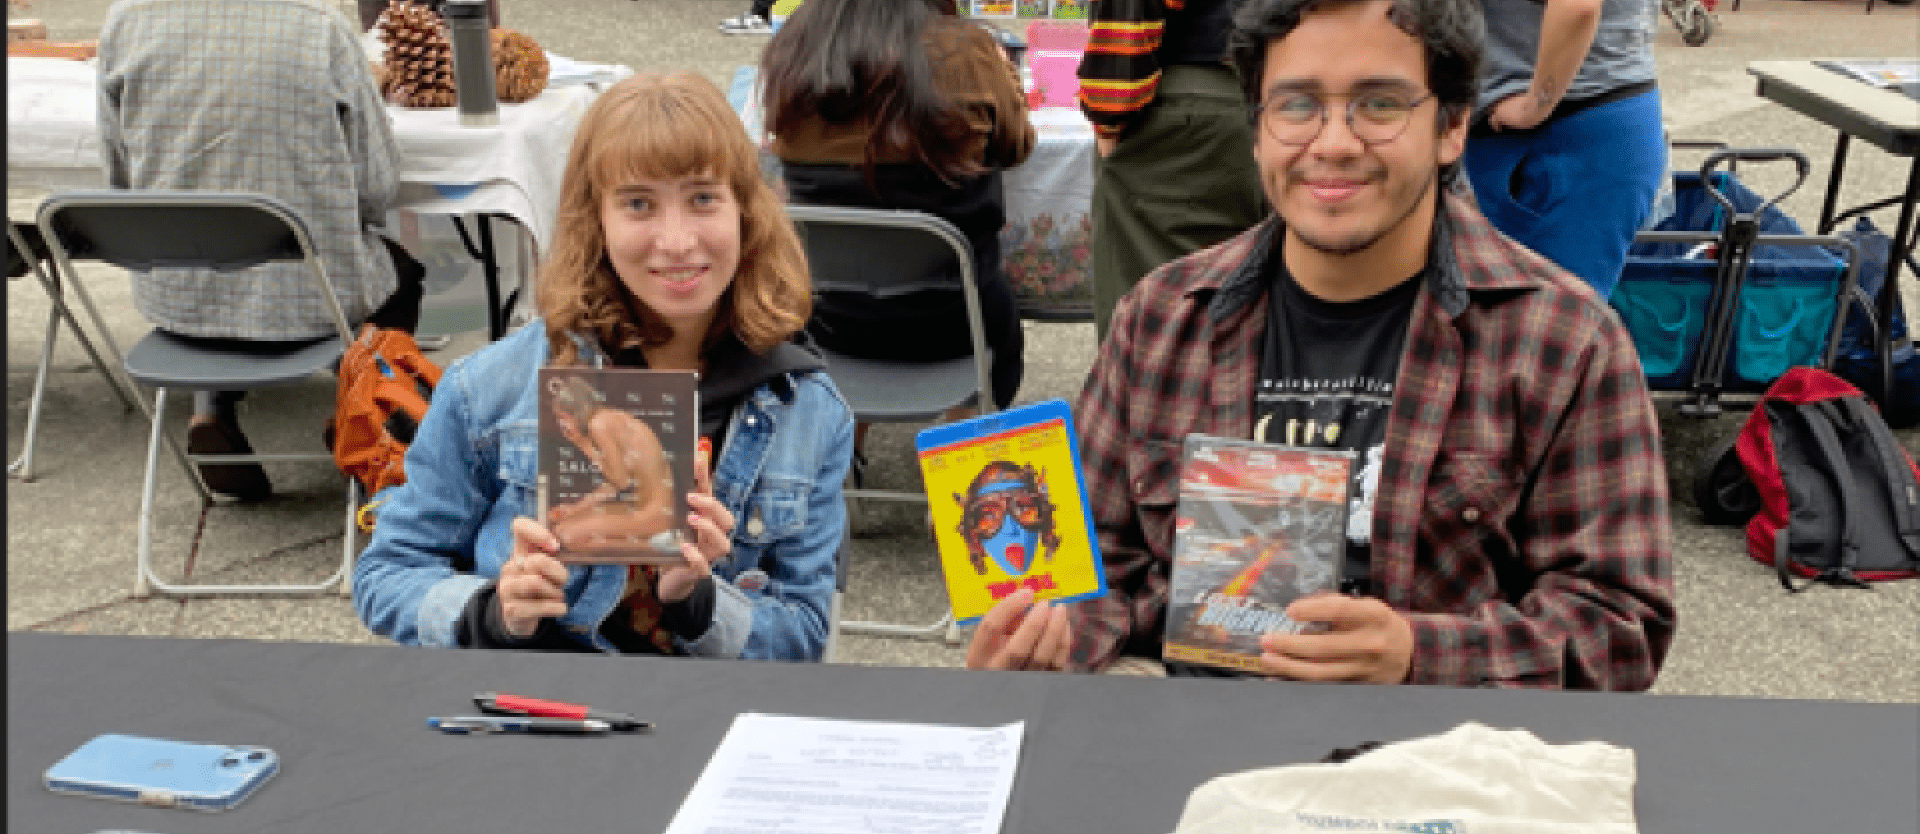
[(1102, 754)]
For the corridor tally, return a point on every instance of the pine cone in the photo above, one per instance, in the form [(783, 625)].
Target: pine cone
[(519, 66), (419, 65)]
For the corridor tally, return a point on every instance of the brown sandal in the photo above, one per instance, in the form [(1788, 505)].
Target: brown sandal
[(245, 481)]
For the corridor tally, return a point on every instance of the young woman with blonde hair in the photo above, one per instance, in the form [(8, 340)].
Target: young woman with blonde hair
[(672, 253)]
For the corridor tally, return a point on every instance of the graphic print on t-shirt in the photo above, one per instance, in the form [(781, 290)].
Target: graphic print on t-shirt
[(1327, 373), (1333, 414)]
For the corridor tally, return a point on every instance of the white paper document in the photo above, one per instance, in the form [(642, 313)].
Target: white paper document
[(789, 775), (1889, 73)]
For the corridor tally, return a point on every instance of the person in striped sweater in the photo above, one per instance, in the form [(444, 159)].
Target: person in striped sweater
[(1175, 172)]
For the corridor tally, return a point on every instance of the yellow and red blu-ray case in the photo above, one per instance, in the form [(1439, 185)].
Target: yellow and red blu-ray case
[(1009, 508)]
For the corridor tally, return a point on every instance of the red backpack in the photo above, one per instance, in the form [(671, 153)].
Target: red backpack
[(1839, 497)]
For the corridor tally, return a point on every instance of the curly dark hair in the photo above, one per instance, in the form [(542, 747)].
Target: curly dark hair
[(999, 472), (1451, 34)]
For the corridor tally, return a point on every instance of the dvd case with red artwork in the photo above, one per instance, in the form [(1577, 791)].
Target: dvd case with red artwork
[(1258, 526)]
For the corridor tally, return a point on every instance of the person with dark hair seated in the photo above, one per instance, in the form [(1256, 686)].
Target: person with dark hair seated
[(268, 96), (1507, 520), (902, 104)]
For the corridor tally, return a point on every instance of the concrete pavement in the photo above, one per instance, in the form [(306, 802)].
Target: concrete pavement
[(70, 537)]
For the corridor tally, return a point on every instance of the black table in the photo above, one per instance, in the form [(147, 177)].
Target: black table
[(1102, 754), (1884, 118)]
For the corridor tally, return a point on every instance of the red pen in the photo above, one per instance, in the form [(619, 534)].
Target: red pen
[(497, 703)]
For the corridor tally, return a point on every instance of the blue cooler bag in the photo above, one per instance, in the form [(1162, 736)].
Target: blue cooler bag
[(1787, 305)]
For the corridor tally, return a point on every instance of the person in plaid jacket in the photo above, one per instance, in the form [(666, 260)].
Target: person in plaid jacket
[(1509, 526)]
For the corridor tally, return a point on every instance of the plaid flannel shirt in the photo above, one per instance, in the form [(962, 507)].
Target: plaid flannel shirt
[(1521, 520), (272, 96)]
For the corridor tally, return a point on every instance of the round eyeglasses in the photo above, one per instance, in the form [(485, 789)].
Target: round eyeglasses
[(1373, 118)]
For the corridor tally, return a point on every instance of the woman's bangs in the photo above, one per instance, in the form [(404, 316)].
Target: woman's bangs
[(667, 137)]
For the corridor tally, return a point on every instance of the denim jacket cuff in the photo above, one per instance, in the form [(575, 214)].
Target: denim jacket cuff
[(438, 620), (732, 622)]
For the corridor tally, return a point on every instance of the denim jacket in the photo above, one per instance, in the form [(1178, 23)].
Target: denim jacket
[(445, 533)]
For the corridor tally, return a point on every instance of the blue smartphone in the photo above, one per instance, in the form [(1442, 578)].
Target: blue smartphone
[(163, 773)]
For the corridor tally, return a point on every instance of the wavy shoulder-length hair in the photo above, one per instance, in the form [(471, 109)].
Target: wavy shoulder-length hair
[(658, 127)]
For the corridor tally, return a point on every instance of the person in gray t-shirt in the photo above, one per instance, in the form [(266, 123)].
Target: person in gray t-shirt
[(1567, 151)]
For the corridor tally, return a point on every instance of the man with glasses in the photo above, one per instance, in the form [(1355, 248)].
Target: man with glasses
[(1508, 517)]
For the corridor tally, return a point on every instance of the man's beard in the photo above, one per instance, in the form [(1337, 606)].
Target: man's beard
[(1362, 240)]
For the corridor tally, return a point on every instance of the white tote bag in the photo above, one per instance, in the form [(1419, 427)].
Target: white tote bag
[(1469, 780)]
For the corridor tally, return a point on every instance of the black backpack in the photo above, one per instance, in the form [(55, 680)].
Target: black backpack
[(1839, 497), (1858, 360)]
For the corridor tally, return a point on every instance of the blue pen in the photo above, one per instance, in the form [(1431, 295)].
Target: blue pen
[(465, 724)]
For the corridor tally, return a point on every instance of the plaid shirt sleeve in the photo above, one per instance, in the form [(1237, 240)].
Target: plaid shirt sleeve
[(1120, 72), (1599, 614), (1137, 588), (1570, 495), (1160, 376)]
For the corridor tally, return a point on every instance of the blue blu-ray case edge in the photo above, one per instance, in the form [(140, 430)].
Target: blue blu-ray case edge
[(935, 437)]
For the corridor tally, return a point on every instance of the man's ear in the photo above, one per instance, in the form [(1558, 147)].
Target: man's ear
[(1453, 136)]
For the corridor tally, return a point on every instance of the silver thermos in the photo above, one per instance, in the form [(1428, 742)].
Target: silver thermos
[(472, 61)]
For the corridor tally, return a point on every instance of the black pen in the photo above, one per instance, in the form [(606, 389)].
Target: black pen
[(497, 703), (464, 724)]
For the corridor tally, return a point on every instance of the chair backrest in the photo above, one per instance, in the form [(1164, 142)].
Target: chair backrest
[(881, 252), (218, 230), (886, 253)]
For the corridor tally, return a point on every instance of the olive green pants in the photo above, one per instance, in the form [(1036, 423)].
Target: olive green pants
[(1181, 179)]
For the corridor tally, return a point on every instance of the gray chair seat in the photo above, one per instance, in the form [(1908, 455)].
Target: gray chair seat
[(169, 360), (224, 232)]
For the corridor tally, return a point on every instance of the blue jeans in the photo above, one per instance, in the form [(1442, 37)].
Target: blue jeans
[(1576, 188)]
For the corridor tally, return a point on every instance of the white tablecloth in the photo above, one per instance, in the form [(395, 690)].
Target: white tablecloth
[(53, 141), (1046, 244), (513, 168)]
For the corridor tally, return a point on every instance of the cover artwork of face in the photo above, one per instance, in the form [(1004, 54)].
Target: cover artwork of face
[(1006, 516)]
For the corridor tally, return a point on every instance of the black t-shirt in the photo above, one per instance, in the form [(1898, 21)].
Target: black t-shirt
[(1326, 380)]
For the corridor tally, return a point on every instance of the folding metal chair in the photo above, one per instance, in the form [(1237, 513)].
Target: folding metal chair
[(840, 560), (886, 253), (24, 258), (140, 230)]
